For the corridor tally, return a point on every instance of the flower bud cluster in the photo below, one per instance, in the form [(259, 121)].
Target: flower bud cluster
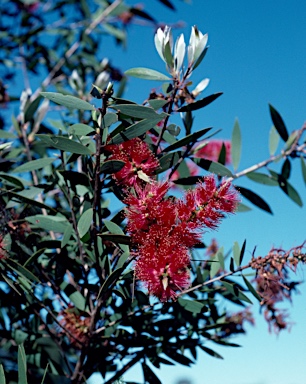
[(163, 229)]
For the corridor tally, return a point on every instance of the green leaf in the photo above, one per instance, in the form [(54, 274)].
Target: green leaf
[(49, 223), (136, 129), (243, 208), (31, 109), (64, 144), (251, 289), (112, 166), (236, 253), (235, 291), (157, 104), (262, 178), (189, 139), (273, 140), (278, 123), (22, 271), (2, 375), (254, 198), (168, 161), (75, 296), (149, 375), (80, 129), (12, 180), (290, 191), (113, 228), (303, 167), (113, 277), (200, 103), (34, 165), (20, 197), (211, 352), (68, 101), (213, 167), (67, 235), (137, 111), (242, 252), (7, 135), (236, 145), (286, 169), (109, 119), (85, 222), (215, 266), (22, 365), (147, 73), (191, 305)]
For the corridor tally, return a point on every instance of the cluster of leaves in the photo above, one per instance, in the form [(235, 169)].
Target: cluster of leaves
[(68, 290)]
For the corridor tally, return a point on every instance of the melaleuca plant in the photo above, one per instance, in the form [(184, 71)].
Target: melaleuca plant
[(103, 260)]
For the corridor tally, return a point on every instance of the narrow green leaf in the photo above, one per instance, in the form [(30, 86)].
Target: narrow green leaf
[(167, 161), (200, 103), (2, 375), (12, 180), (22, 365), (262, 178), (290, 191), (137, 111), (236, 253), (149, 375), (24, 199), (85, 222), (7, 135), (243, 208), (157, 104), (49, 223), (109, 119), (80, 129), (113, 277), (136, 129), (242, 252), (232, 288), (251, 289), (236, 145), (189, 139), (147, 73), (254, 198), (22, 271), (64, 144), (273, 140), (112, 166), (34, 165), (213, 167), (191, 305), (278, 123), (303, 167), (286, 169), (68, 101), (113, 228), (75, 296), (31, 109), (214, 267), (211, 352)]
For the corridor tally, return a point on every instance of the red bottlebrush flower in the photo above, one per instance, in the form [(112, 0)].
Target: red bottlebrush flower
[(210, 150), (162, 265), (139, 161)]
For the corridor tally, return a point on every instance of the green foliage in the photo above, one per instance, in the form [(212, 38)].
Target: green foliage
[(70, 305)]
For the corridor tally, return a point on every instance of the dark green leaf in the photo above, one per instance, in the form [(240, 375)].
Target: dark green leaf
[(2, 375), (31, 109), (286, 169), (34, 165), (49, 223), (136, 129), (251, 289), (137, 111), (85, 222), (112, 166), (167, 161), (181, 359), (12, 180), (112, 278), (235, 291), (191, 180), (168, 4), (200, 103), (303, 167), (213, 167), (117, 239), (290, 191), (262, 178), (146, 73), (254, 198), (278, 123), (22, 365), (236, 145), (68, 101), (211, 352), (157, 104), (190, 305), (75, 296), (149, 375), (80, 129), (242, 252), (64, 144), (189, 139)]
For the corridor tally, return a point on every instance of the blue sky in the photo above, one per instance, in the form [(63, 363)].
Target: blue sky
[(257, 56)]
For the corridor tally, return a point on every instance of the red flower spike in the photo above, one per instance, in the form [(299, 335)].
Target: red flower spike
[(211, 151), (137, 157)]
